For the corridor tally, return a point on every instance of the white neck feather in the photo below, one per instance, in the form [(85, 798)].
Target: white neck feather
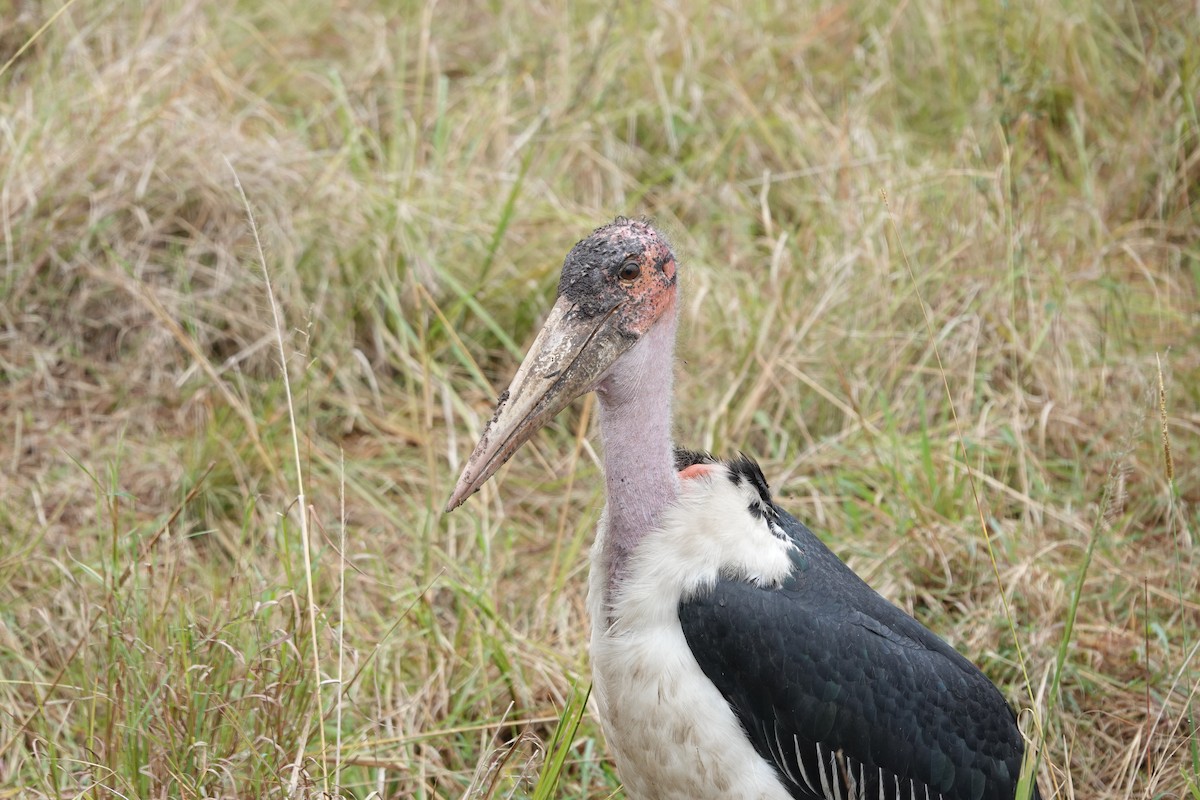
[(709, 533)]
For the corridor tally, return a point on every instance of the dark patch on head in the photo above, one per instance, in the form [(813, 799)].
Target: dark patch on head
[(744, 469), (685, 458), (589, 276)]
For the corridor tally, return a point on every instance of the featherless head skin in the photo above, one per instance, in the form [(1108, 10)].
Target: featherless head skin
[(616, 285)]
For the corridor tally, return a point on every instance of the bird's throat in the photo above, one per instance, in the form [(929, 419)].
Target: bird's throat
[(639, 463)]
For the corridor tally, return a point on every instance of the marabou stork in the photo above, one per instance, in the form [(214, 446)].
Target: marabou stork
[(733, 654)]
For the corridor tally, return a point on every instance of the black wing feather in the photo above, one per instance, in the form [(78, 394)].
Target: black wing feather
[(830, 680)]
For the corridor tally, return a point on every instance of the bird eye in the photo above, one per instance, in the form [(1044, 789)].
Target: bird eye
[(629, 271)]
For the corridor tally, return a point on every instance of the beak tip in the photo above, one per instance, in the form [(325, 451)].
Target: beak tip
[(467, 485), (456, 499)]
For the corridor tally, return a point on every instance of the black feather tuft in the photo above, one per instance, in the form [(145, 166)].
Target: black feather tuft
[(744, 469), (685, 458)]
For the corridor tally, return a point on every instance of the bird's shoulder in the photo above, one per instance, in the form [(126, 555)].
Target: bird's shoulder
[(819, 664)]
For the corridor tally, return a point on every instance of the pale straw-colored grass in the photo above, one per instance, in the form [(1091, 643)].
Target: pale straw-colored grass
[(416, 175)]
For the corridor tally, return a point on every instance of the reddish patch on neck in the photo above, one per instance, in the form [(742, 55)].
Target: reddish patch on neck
[(695, 471)]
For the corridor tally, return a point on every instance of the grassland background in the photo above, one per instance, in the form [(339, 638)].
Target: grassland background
[(417, 172)]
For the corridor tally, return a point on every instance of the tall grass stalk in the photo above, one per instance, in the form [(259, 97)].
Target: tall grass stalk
[(301, 502)]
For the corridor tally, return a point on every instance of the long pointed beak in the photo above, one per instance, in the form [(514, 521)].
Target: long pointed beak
[(569, 356)]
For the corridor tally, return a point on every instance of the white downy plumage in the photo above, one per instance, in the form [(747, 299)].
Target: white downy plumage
[(672, 734)]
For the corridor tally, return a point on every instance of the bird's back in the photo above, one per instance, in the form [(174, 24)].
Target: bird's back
[(846, 694)]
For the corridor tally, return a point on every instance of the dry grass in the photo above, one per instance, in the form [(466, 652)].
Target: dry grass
[(417, 175)]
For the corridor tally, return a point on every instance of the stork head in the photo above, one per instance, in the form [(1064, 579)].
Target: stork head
[(616, 285)]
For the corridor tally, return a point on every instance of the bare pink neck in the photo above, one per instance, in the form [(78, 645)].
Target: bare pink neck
[(639, 463)]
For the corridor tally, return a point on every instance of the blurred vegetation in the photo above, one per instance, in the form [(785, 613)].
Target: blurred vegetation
[(1026, 171)]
